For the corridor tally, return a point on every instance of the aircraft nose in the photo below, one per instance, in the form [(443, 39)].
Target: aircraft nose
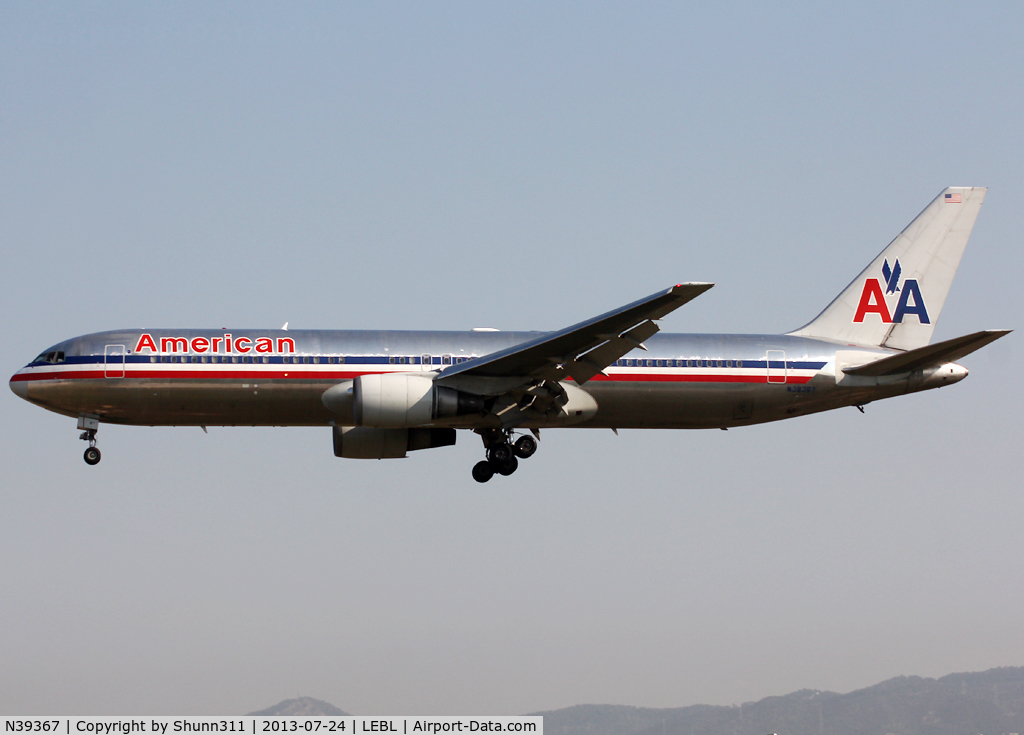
[(19, 387)]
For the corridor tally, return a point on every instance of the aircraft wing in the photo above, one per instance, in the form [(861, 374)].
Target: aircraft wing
[(930, 355), (585, 349)]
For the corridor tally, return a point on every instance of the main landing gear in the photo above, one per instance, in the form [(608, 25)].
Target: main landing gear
[(92, 454), (502, 454)]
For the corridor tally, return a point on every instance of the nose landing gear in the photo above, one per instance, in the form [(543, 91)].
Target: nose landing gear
[(92, 455), (91, 425), (502, 454)]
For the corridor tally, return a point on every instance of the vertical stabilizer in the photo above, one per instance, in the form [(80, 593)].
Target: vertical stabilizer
[(895, 302)]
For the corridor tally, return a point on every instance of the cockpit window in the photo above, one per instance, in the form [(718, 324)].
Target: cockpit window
[(50, 357)]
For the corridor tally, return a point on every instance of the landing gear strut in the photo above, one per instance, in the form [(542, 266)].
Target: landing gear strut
[(91, 425), (502, 454)]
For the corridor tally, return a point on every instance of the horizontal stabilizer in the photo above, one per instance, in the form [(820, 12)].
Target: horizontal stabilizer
[(931, 356)]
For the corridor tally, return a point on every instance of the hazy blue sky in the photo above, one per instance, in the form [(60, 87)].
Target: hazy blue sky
[(528, 165)]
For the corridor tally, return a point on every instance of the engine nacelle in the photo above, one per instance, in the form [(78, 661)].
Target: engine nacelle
[(338, 400), (398, 400), (363, 442)]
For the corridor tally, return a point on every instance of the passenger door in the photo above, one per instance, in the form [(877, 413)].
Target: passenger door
[(776, 360), (113, 361)]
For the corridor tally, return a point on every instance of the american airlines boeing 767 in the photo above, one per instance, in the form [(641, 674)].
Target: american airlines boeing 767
[(386, 393)]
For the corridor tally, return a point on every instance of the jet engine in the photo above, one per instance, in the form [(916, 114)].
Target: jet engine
[(363, 442), (399, 399)]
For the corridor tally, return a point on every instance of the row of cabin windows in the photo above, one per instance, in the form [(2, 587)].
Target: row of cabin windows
[(679, 363), (248, 359), (296, 360), (428, 360), (425, 360)]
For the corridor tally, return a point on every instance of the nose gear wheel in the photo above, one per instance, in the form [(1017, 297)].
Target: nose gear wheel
[(92, 455)]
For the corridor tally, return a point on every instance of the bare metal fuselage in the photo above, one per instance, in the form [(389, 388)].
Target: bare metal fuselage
[(389, 393), (681, 381)]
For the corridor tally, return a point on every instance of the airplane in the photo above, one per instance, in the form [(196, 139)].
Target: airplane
[(386, 393)]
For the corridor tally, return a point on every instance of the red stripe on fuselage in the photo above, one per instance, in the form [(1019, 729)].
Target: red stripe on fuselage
[(656, 378)]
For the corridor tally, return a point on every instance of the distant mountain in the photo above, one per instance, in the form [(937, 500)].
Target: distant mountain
[(303, 706), (989, 702)]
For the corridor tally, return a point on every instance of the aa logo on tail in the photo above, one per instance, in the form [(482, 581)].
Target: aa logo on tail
[(872, 298)]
